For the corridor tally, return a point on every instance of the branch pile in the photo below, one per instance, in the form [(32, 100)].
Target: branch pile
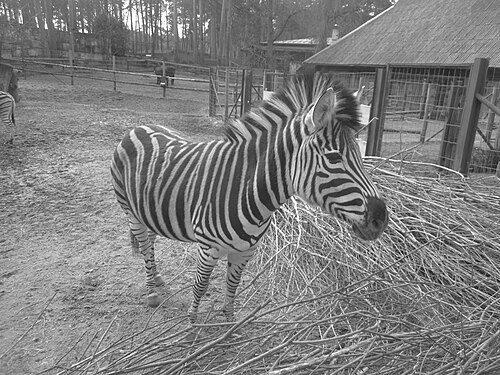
[(423, 299)]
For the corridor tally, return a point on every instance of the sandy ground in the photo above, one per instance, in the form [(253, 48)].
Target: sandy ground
[(66, 269)]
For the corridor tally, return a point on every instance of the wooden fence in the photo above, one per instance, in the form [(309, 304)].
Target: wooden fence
[(136, 73)]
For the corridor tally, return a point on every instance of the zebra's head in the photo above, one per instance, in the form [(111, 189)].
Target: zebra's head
[(330, 171)]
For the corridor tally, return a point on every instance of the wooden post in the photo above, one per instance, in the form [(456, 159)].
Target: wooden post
[(226, 96), (246, 100), (212, 99), (164, 78), (491, 114), (114, 73), (470, 116), (451, 127), (405, 99), (426, 114), (71, 28), (236, 93), (377, 113), (425, 89)]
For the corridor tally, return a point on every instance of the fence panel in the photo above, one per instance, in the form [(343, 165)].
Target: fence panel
[(486, 149), (423, 113), (132, 76)]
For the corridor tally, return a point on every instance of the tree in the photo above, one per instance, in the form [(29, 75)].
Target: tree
[(112, 34), (176, 33)]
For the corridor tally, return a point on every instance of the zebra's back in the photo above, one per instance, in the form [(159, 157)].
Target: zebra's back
[(168, 184)]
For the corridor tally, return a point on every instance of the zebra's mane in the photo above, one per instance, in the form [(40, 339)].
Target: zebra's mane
[(298, 96)]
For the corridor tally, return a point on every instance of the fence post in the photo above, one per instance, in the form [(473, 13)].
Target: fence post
[(211, 93), (451, 128), (426, 113), (226, 96), (470, 115), (164, 78), (114, 73), (246, 100), (377, 113), (491, 114)]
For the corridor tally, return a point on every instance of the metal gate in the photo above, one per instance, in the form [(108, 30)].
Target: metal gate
[(229, 92)]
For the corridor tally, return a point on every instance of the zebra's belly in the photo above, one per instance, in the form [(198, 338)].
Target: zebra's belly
[(168, 220), (174, 221)]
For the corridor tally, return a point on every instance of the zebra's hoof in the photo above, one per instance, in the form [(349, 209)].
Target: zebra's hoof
[(159, 280), (154, 300), (192, 315), (229, 314)]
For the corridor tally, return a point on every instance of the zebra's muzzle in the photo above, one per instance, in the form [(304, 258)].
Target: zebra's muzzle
[(376, 220)]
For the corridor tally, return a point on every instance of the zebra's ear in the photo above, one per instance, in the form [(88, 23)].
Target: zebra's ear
[(324, 109)]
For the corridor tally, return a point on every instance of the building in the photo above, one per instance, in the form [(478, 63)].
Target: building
[(416, 60)]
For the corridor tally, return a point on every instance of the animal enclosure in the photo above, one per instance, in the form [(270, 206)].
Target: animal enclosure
[(313, 300), (418, 114)]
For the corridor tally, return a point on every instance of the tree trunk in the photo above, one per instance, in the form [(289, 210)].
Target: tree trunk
[(202, 33), (270, 61), (227, 45), (144, 18), (195, 33), (41, 28), (132, 34), (213, 38), (176, 33), (152, 24), (329, 9), (222, 33), (50, 27)]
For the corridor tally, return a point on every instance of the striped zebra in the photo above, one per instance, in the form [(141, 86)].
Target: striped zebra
[(7, 108), (222, 193)]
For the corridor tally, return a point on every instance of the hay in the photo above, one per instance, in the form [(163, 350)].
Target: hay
[(422, 299)]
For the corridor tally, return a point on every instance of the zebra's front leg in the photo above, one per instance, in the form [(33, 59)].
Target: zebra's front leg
[(144, 240), (236, 263), (205, 263)]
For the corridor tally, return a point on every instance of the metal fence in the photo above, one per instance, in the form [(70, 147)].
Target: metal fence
[(429, 114), (422, 113)]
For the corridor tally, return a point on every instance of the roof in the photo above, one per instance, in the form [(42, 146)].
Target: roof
[(304, 44), (428, 32)]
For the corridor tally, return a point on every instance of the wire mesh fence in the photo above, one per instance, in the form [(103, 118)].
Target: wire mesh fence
[(486, 151), (423, 112)]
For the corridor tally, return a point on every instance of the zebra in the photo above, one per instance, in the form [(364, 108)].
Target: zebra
[(222, 193), (7, 108)]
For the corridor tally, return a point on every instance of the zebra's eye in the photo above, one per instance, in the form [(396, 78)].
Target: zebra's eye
[(333, 156)]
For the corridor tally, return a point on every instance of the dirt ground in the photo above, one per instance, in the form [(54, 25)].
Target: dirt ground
[(66, 269)]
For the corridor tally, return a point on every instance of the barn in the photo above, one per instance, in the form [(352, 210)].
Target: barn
[(431, 71)]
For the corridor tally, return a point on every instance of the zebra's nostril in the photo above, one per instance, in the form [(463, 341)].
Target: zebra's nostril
[(377, 214)]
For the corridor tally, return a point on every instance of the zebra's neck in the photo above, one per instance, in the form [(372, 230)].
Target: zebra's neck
[(268, 138)]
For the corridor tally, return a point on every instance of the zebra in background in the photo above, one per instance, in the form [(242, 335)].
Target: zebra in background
[(7, 108), (222, 193), (9, 96)]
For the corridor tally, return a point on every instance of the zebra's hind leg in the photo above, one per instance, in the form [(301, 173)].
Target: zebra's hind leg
[(236, 263), (143, 240), (205, 263)]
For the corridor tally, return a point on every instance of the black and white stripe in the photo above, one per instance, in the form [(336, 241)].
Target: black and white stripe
[(7, 109), (222, 193)]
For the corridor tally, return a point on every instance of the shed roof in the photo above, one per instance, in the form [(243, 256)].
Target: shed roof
[(428, 32)]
